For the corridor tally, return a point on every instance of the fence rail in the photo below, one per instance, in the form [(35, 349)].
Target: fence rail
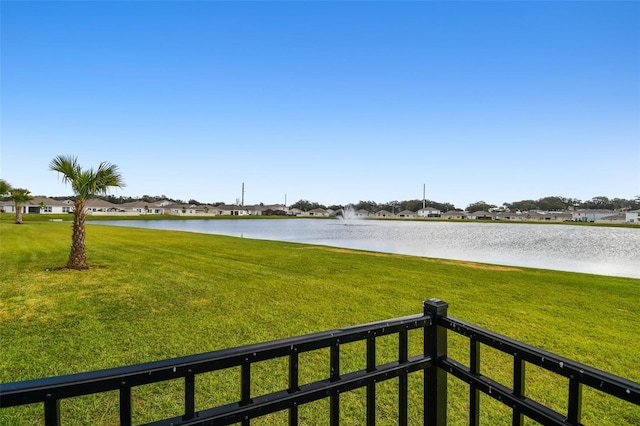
[(579, 375), (434, 362)]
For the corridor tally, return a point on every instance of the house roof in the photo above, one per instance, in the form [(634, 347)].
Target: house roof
[(173, 206), (134, 204), (199, 207), (229, 207), (97, 202), (46, 201)]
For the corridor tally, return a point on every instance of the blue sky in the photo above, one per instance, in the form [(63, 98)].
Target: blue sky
[(332, 102)]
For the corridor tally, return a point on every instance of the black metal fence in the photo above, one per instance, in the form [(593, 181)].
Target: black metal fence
[(432, 327)]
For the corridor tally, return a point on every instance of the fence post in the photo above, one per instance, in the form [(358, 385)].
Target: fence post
[(51, 411), (435, 378)]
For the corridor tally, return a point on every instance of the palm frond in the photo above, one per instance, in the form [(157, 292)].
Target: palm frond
[(108, 175), (20, 195), (67, 166)]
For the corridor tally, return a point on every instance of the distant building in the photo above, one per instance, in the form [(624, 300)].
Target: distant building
[(429, 212), (454, 214), (383, 213), (143, 207), (590, 215), (483, 215), (614, 218), (232, 210), (517, 216), (39, 205), (317, 212), (632, 216), (96, 205), (407, 214)]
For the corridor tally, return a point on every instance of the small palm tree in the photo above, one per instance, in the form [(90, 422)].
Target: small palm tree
[(19, 196), (4, 187), (4, 191), (85, 184)]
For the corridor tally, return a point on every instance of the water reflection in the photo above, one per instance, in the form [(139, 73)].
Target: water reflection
[(596, 250)]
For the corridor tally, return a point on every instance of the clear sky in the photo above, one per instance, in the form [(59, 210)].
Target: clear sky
[(333, 102)]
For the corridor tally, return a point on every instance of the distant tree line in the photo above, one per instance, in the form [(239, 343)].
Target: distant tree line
[(372, 206), (554, 203), (564, 203)]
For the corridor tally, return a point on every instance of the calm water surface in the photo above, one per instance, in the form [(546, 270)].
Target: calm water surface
[(588, 249)]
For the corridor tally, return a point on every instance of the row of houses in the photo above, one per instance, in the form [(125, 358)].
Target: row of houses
[(44, 205), (603, 216), (97, 207)]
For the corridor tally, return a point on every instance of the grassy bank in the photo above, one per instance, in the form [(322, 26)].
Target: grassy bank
[(152, 295)]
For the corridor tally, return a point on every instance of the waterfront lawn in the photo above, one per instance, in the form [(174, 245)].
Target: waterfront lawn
[(153, 295)]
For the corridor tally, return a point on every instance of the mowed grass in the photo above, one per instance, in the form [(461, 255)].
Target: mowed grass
[(153, 295)]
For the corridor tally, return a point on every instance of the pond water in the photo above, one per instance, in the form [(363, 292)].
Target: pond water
[(588, 249)]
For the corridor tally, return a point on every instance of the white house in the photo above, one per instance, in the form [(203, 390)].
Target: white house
[(483, 215), (407, 214), (233, 210), (276, 208), (535, 216), (632, 216), (429, 212), (384, 213), (39, 205), (454, 214), (96, 206), (590, 215), (317, 212), (557, 216), (143, 207), (517, 216), (614, 218)]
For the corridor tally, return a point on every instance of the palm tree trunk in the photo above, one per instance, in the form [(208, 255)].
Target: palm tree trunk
[(18, 214), (78, 256)]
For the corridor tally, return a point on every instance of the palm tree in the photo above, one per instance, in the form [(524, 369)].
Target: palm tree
[(85, 184), (19, 196), (4, 190), (4, 187)]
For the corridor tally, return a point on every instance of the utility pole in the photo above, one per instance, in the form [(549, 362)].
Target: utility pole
[(242, 194), (424, 200)]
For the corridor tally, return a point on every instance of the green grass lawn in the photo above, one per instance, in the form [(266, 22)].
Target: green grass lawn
[(151, 295)]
